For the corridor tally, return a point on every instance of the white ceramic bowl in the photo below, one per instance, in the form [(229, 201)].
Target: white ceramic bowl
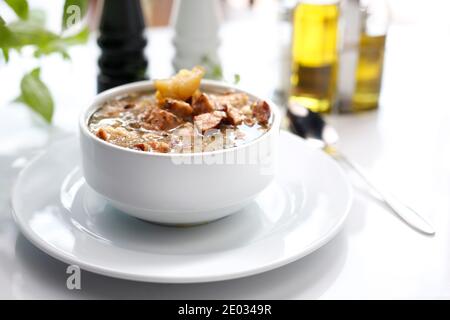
[(184, 188)]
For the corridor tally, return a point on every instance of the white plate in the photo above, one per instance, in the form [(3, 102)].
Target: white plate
[(298, 213)]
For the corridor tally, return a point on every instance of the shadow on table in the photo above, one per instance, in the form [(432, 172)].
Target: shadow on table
[(309, 278)]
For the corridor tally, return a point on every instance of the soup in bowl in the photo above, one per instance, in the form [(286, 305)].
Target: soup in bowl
[(181, 150)]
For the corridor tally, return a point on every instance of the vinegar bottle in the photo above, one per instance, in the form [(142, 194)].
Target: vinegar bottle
[(361, 57), (369, 69)]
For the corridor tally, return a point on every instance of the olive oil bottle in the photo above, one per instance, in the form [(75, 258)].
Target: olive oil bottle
[(362, 55), (369, 69), (315, 54)]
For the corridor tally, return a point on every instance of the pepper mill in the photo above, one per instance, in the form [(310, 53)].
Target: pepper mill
[(122, 42)]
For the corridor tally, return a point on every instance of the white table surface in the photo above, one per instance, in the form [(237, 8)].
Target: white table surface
[(405, 144)]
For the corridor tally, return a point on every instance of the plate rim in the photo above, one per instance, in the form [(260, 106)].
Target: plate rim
[(63, 256)]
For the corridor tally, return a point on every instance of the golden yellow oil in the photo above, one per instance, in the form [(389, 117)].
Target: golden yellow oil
[(369, 72), (314, 55)]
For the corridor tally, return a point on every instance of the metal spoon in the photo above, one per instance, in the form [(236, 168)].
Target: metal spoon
[(312, 127)]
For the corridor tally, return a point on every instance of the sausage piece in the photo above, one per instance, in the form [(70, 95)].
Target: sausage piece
[(234, 116), (178, 107), (159, 120), (141, 146), (206, 121), (236, 99), (202, 104), (261, 111), (102, 134), (159, 146)]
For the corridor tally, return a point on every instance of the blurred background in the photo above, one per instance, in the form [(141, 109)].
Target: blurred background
[(255, 41), (157, 12)]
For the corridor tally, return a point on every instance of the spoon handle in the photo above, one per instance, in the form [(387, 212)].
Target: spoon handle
[(406, 213)]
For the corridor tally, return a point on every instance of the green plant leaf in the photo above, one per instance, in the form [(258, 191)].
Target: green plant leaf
[(237, 78), (35, 94), (5, 52), (60, 45), (213, 70), (74, 11), (37, 17), (32, 33), (79, 38), (29, 32), (20, 7), (5, 35), (216, 72)]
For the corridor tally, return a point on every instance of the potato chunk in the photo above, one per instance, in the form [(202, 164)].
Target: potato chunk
[(181, 86)]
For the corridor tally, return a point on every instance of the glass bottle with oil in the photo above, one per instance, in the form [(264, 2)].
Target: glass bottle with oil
[(362, 56), (371, 59), (315, 54)]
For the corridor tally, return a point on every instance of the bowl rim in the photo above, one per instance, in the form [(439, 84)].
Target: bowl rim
[(87, 112)]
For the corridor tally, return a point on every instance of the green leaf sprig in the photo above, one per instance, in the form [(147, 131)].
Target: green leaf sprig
[(29, 31), (214, 71), (35, 94)]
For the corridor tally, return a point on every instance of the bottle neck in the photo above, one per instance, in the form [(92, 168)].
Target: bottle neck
[(375, 17)]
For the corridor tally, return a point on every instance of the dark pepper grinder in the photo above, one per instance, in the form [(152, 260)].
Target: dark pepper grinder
[(122, 42)]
